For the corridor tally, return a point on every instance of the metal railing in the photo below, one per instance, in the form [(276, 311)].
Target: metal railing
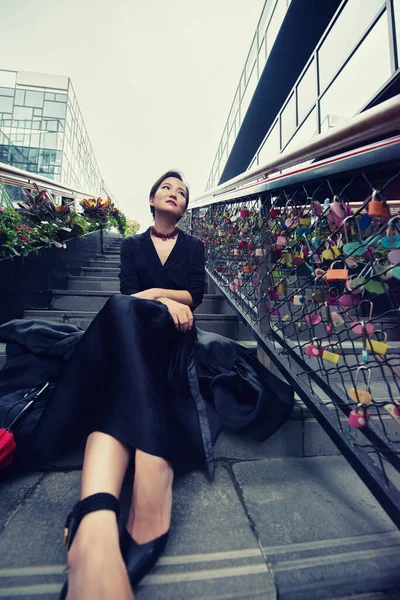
[(311, 261), (10, 175)]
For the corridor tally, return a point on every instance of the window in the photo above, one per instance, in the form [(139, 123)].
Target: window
[(396, 5), (305, 132), (363, 75), (345, 33), (248, 95), (22, 112), (8, 79), (61, 97), (288, 120), (34, 99), (6, 104), (20, 97), (271, 147), (50, 96), (54, 109), (275, 24), (306, 92), (6, 91)]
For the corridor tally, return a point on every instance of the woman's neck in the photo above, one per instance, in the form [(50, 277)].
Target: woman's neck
[(164, 224)]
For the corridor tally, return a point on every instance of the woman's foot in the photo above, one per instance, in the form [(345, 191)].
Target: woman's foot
[(150, 512), (95, 565)]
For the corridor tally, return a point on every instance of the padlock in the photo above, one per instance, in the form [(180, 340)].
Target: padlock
[(377, 347), (330, 356), (333, 274), (291, 279), (298, 300), (336, 319), (313, 319), (305, 221), (319, 296), (282, 289), (393, 411), (358, 418), (377, 208), (336, 251), (358, 395), (313, 350)]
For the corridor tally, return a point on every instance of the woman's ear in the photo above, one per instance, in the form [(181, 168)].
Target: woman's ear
[(151, 201)]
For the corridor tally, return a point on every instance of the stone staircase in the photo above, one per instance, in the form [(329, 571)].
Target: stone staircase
[(285, 519)]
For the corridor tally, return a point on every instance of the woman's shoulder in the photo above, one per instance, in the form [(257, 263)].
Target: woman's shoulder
[(193, 239), (132, 240)]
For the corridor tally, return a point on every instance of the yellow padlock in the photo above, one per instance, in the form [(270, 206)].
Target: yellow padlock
[(336, 251), (327, 254), (304, 222), (281, 288), (377, 347), (330, 356)]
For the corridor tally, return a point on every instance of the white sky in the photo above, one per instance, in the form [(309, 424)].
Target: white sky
[(154, 78)]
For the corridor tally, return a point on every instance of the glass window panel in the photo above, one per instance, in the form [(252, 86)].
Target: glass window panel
[(61, 97), (271, 147), (306, 92), (51, 125), (288, 120), (34, 99), (261, 57), (37, 112), (305, 132), (36, 124), (6, 91), (54, 109), (347, 30), (49, 96), (251, 58), (363, 75), (22, 112), (35, 140), (6, 104), (8, 78), (248, 95), (275, 24), (265, 15), (20, 97), (396, 6)]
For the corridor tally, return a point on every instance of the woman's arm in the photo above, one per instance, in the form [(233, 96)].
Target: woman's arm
[(129, 284), (181, 296)]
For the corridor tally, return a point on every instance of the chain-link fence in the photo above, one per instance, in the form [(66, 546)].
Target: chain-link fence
[(314, 268)]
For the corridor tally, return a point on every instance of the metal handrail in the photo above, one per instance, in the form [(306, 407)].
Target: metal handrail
[(378, 121), (19, 178)]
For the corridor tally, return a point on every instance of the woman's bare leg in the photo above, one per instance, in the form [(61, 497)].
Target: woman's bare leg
[(96, 567), (150, 511)]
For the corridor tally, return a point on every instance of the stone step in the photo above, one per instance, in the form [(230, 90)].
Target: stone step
[(93, 283), (99, 272), (227, 325), (86, 299), (107, 264)]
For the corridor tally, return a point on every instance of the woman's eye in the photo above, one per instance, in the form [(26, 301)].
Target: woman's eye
[(183, 194), (165, 186)]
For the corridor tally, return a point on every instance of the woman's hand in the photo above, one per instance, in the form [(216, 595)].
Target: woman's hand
[(181, 314), (150, 294)]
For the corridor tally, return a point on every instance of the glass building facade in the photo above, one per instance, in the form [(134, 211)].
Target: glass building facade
[(42, 130), (356, 59)]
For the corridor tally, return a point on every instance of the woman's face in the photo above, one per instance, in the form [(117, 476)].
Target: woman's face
[(170, 197)]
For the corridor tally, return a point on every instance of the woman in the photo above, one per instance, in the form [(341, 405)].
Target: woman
[(149, 384), (166, 266)]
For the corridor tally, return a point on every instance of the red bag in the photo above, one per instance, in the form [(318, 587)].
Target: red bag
[(7, 440), (7, 447)]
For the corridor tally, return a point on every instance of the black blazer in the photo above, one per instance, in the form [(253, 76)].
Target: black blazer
[(141, 268)]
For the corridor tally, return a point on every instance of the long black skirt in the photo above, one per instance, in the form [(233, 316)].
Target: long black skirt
[(116, 382)]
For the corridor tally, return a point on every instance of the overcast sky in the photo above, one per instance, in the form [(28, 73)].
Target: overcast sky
[(154, 78)]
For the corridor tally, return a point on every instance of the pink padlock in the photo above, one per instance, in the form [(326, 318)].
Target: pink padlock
[(358, 419), (314, 351), (313, 319)]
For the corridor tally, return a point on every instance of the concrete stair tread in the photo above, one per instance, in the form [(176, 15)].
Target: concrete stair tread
[(103, 293), (42, 313)]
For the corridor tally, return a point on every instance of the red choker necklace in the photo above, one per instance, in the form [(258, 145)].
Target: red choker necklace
[(164, 236)]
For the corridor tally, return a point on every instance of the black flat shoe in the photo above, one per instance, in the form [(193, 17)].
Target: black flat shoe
[(90, 504), (140, 558)]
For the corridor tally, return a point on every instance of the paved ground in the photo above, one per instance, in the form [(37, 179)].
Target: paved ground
[(302, 527)]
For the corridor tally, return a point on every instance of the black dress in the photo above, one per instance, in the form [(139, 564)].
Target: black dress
[(134, 377)]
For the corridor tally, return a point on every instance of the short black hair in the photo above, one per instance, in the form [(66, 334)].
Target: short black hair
[(159, 181)]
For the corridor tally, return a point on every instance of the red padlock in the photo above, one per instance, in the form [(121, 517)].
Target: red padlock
[(244, 213), (274, 213)]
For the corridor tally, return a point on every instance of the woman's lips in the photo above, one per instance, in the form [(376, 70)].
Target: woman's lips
[(171, 202)]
